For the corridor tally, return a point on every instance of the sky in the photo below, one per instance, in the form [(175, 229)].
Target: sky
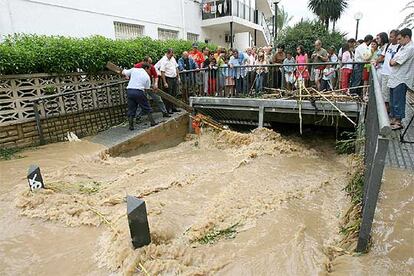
[(378, 15)]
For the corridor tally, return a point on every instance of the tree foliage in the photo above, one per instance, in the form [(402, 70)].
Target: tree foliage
[(408, 21), (306, 33), (283, 19), (328, 10), (26, 54)]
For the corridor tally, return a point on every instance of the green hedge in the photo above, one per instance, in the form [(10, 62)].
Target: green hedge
[(27, 54), (306, 33)]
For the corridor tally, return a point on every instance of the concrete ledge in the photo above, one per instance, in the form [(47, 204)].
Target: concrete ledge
[(166, 134)]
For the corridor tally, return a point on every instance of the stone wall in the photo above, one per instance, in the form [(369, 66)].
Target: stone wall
[(56, 129), (17, 92)]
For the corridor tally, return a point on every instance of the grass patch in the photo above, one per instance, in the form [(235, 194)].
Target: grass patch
[(351, 221), (346, 143), (355, 187), (87, 188), (8, 154), (216, 235)]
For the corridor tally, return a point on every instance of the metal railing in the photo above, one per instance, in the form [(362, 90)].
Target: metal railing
[(249, 80), (262, 21), (377, 137), (82, 112)]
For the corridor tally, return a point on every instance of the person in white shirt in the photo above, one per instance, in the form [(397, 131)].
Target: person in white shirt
[(346, 70), (327, 78), (333, 58), (251, 74), (170, 76), (351, 45), (401, 78), (387, 54), (139, 80), (362, 54)]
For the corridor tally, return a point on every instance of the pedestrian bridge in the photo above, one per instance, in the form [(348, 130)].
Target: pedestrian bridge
[(265, 112)]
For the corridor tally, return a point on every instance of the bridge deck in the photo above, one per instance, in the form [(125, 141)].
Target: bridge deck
[(263, 111), (401, 155)]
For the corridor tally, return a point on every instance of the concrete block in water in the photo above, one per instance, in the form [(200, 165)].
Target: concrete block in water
[(138, 222), (35, 178)]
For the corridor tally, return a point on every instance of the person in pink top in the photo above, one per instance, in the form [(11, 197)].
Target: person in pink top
[(302, 72), (346, 70)]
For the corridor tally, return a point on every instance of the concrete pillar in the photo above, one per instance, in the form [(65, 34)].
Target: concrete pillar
[(261, 116)]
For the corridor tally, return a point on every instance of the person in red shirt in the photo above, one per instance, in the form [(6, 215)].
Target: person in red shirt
[(196, 55), (153, 72), (154, 79)]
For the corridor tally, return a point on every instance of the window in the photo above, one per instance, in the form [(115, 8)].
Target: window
[(128, 31), (164, 34), (192, 37)]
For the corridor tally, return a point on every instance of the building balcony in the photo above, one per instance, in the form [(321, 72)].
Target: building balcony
[(265, 6), (218, 15)]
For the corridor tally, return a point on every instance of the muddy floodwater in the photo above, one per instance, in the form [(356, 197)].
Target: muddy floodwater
[(222, 204)]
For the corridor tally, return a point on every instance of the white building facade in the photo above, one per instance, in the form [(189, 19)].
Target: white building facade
[(215, 22)]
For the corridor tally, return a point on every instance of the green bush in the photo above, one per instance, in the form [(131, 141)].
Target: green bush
[(306, 33), (27, 54)]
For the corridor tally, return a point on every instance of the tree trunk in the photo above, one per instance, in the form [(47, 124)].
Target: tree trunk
[(327, 24), (333, 25)]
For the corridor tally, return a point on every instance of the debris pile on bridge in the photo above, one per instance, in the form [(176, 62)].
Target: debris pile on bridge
[(314, 95)]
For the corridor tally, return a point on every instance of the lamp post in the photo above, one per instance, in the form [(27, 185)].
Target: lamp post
[(358, 16), (276, 2)]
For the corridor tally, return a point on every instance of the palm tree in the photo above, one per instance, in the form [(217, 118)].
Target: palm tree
[(328, 10), (283, 18), (282, 21), (409, 19)]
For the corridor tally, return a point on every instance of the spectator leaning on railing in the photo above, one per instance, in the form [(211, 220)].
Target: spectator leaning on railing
[(384, 60), (401, 77), (289, 69), (346, 70), (318, 56), (196, 55), (362, 54), (302, 73), (188, 80), (261, 72), (278, 58)]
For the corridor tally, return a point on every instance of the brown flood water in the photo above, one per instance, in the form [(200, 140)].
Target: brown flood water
[(282, 196)]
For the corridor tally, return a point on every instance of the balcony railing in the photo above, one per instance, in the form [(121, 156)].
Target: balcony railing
[(221, 8)]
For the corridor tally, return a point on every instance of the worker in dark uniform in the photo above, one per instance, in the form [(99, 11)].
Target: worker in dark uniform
[(139, 80)]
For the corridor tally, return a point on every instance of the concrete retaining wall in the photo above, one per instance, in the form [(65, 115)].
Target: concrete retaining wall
[(164, 135)]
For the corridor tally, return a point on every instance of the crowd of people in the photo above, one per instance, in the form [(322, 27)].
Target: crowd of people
[(233, 72)]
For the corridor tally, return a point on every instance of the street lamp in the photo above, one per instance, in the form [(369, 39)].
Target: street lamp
[(358, 16), (276, 2)]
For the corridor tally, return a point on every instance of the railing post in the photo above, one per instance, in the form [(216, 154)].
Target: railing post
[(373, 188), (190, 122), (38, 123)]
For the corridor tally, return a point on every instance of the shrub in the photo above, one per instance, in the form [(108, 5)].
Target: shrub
[(27, 54), (306, 33)]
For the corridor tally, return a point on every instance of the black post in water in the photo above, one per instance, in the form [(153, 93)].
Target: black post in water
[(138, 222), (35, 178)]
